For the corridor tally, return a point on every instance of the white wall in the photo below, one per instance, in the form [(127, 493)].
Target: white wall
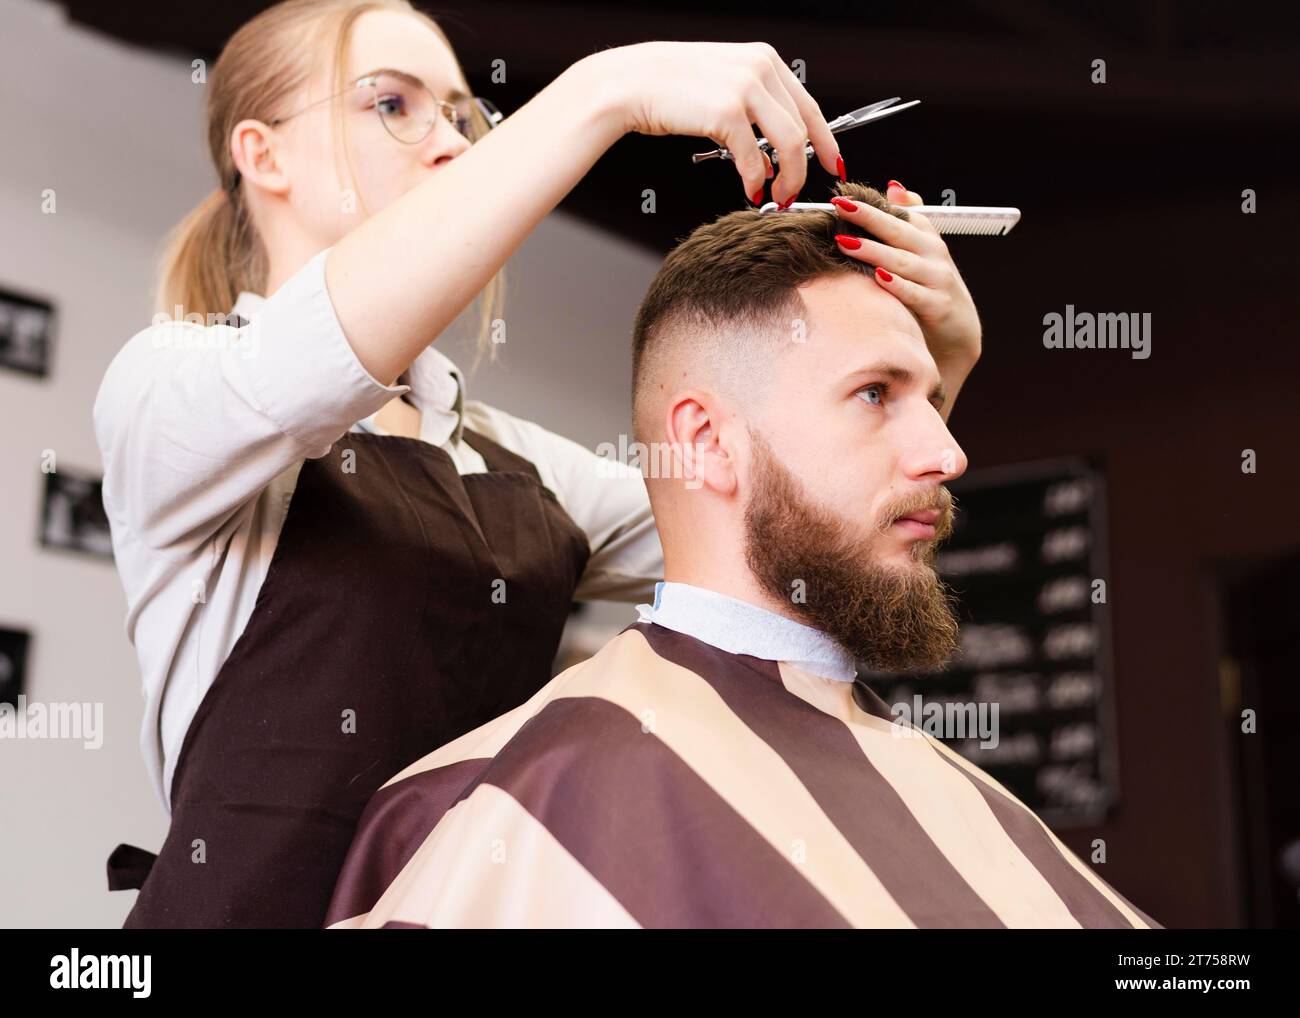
[(118, 134)]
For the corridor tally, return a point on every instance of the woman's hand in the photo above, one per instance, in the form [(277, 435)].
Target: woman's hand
[(912, 262), (718, 91)]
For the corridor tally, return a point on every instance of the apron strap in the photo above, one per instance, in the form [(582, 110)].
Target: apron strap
[(497, 456), (128, 867)]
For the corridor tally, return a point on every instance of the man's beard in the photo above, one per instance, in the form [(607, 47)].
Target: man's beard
[(889, 619)]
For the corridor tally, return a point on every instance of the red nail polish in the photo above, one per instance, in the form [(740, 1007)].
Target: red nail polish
[(852, 243), (844, 203), (757, 198), (839, 165), (895, 183), (884, 275), (789, 201)]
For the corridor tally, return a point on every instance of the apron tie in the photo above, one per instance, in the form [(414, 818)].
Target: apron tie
[(128, 866)]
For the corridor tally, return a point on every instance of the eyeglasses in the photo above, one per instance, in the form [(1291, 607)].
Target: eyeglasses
[(409, 110)]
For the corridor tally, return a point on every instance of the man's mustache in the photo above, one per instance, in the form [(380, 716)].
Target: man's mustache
[(940, 501)]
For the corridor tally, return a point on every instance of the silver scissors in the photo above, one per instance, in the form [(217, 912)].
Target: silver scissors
[(876, 111)]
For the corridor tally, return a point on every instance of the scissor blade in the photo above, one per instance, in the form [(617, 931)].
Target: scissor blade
[(870, 109), (863, 115), (872, 114)]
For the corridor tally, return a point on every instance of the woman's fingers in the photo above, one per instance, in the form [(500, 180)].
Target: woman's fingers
[(918, 268), (900, 195), (825, 147), (736, 134), (786, 136), (930, 301), (906, 235), (720, 91), (923, 300)]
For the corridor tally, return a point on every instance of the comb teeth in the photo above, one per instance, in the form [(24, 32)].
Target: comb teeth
[(971, 220)]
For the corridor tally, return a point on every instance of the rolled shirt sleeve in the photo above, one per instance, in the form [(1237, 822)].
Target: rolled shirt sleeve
[(195, 419)]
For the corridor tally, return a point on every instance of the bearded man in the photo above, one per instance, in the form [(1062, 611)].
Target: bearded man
[(721, 762)]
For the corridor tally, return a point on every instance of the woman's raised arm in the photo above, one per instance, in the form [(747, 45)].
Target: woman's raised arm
[(402, 276)]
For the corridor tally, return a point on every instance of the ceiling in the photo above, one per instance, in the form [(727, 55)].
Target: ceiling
[(1195, 97)]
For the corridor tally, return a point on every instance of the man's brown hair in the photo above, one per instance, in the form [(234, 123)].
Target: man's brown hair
[(738, 276)]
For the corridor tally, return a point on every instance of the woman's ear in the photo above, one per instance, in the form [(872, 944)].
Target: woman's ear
[(699, 456), (251, 148)]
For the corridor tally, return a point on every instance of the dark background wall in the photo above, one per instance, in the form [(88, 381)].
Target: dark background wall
[(1170, 432)]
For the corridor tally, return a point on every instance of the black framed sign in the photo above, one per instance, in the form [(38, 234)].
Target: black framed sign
[(1028, 563), (73, 517), (26, 333), (13, 664)]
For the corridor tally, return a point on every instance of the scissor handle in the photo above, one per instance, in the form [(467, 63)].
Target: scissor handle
[(763, 144), (865, 115)]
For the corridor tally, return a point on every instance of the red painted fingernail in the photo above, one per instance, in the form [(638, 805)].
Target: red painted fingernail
[(895, 183), (852, 243), (884, 275), (844, 203), (757, 198), (789, 201), (839, 165)]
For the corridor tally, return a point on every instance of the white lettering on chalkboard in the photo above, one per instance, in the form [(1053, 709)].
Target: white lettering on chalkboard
[(1077, 640), (1073, 689), (992, 558), (1063, 594), (1067, 497), (1017, 692), (1065, 543), (993, 645)]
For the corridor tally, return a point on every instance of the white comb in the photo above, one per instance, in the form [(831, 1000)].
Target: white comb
[(975, 220)]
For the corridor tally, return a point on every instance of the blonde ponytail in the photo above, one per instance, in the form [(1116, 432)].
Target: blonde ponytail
[(215, 252), (210, 256)]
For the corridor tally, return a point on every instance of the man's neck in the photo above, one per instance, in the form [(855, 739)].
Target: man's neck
[(743, 625), (738, 584)]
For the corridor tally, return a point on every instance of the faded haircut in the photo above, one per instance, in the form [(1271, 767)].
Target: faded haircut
[(728, 293)]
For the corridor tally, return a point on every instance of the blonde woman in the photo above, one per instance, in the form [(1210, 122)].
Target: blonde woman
[(334, 560)]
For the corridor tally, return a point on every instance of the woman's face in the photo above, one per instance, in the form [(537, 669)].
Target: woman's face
[(325, 202)]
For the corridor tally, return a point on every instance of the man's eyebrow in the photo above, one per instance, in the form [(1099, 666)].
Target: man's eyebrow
[(903, 376), (452, 95)]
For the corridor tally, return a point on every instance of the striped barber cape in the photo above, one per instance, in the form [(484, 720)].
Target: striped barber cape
[(667, 783)]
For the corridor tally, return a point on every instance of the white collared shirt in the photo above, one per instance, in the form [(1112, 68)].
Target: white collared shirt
[(739, 627), (203, 430)]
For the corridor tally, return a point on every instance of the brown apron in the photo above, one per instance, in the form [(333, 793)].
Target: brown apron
[(405, 605)]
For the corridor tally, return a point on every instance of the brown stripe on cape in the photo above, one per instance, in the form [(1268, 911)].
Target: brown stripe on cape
[(670, 849), (649, 829), (393, 826), (828, 761), (1085, 902)]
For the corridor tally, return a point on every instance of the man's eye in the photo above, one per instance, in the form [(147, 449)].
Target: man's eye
[(874, 393)]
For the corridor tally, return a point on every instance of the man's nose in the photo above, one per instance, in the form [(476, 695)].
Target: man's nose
[(935, 457)]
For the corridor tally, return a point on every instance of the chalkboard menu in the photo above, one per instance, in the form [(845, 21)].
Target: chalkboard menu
[(1027, 561)]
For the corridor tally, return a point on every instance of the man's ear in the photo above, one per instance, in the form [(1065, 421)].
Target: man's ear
[(698, 434)]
